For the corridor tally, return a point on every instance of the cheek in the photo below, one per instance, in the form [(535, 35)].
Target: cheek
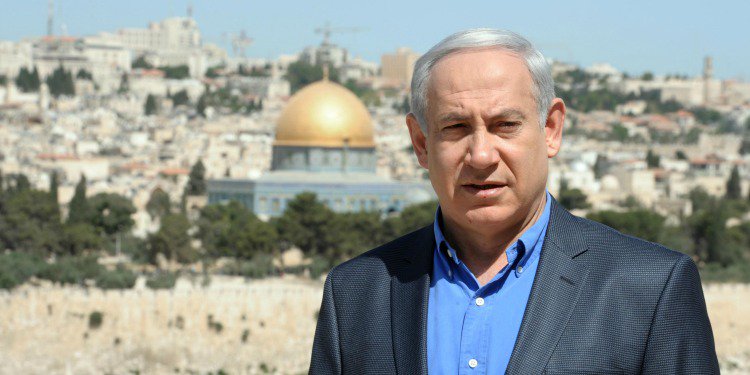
[(526, 161)]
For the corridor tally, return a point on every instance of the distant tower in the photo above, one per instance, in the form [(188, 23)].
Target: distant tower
[(708, 75), (190, 10), (50, 14)]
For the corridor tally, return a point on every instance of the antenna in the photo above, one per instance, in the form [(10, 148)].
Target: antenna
[(240, 43), (50, 15)]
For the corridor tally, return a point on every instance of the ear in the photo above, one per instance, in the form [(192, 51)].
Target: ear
[(553, 127), (418, 139)]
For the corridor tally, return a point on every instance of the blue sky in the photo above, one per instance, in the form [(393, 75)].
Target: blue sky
[(635, 36)]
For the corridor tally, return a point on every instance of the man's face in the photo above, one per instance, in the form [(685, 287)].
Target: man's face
[(485, 150)]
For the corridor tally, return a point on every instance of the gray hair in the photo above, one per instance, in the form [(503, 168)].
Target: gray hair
[(543, 87)]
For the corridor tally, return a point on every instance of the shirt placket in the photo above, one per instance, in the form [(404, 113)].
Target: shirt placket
[(474, 337)]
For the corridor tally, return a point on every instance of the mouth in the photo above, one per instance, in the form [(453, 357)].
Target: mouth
[(484, 190)]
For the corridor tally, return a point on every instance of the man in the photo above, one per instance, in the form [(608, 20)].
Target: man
[(506, 280)]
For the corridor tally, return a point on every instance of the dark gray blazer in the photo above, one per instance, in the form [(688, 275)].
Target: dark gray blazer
[(602, 303)]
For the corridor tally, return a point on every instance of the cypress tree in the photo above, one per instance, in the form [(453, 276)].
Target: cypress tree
[(78, 208), (151, 106), (53, 187), (734, 190), (197, 182)]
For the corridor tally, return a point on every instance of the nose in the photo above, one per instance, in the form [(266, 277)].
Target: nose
[(482, 153)]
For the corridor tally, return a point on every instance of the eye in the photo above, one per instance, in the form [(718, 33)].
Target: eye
[(455, 126), (506, 124)]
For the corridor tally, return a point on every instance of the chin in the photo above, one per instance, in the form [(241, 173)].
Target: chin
[(490, 215)]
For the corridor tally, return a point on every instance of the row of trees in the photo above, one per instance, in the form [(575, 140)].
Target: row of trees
[(60, 82)]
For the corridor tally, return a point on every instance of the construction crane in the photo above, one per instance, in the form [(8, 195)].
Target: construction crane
[(327, 30), (240, 43)]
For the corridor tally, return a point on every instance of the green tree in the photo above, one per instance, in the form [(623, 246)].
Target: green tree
[(197, 180), (19, 182), (84, 74), (158, 204), (600, 166), (181, 98), (680, 155), (215, 71), (175, 72), (28, 81), (620, 133), (141, 63), (410, 219), (652, 160), (734, 190), (647, 76), (60, 82), (53, 188), (151, 107), (111, 213), (79, 209), (306, 223), (124, 84), (30, 221), (234, 231), (713, 242), (571, 198), (77, 238), (353, 233), (172, 240), (200, 107), (640, 223), (699, 199), (706, 115), (301, 73), (17, 267)]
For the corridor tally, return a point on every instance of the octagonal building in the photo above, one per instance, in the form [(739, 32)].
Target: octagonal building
[(324, 144)]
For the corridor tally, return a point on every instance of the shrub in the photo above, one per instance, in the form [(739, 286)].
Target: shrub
[(260, 266), (17, 267), (121, 278), (72, 270), (162, 280), (95, 319), (319, 266), (214, 325), (245, 335)]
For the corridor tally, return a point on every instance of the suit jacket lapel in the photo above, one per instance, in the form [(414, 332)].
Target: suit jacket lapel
[(410, 290), (558, 283)]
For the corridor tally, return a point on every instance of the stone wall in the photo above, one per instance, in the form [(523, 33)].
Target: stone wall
[(198, 330), (45, 330)]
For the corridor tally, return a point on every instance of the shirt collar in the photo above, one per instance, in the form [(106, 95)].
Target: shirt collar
[(526, 244)]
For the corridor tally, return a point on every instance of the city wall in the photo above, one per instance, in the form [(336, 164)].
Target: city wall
[(241, 327)]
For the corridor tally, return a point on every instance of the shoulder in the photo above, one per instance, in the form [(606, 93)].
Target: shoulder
[(627, 257), (380, 263)]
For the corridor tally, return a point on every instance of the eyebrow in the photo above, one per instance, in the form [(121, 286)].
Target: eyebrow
[(511, 113)]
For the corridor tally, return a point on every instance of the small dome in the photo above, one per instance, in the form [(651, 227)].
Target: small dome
[(325, 114)]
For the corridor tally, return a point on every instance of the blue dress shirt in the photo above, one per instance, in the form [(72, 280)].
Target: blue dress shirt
[(472, 330)]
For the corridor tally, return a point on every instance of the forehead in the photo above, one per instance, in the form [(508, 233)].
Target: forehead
[(478, 72)]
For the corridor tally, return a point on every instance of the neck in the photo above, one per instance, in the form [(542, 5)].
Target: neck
[(482, 249)]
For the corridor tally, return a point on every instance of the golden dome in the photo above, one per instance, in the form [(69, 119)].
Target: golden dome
[(324, 114)]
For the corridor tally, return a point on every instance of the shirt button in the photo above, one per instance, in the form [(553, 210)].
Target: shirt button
[(479, 301), (450, 255), (473, 363), (520, 269)]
